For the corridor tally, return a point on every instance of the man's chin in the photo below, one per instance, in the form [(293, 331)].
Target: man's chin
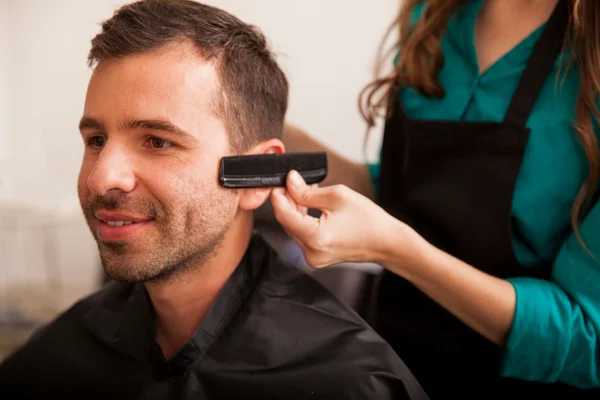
[(122, 263), (125, 273)]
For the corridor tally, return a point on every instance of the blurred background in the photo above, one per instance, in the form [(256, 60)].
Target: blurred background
[(48, 258)]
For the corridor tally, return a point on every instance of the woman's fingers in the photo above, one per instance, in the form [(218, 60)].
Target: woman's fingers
[(296, 222)]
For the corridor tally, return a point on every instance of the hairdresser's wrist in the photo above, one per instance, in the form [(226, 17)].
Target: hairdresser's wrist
[(401, 250)]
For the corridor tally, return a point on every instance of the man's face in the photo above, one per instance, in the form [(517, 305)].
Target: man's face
[(148, 183)]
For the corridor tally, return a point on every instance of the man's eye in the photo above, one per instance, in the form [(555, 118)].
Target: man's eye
[(96, 141), (158, 143)]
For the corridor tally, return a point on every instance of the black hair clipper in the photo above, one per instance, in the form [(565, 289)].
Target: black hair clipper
[(271, 170)]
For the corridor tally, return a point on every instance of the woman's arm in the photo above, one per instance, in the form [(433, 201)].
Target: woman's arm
[(481, 301), (340, 170), (556, 329), (551, 330)]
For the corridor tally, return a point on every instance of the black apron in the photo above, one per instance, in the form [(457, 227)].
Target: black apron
[(453, 183)]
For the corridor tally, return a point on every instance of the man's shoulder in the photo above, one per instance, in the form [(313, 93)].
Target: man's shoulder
[(62, 348), (113, 295), (299, 325), (71, 321), (295, 290), (298, 304)]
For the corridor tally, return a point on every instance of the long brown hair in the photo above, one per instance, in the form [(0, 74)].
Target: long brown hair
[(421, 60)]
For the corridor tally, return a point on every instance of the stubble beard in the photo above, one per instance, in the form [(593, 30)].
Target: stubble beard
[(178, 241)]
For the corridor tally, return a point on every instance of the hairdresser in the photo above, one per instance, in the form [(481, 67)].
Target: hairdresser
[(483, 208)]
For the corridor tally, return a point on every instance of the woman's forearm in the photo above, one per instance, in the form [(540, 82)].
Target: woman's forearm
[(481, 301)]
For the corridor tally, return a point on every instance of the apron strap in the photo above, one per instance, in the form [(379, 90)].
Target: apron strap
[(539, 66)]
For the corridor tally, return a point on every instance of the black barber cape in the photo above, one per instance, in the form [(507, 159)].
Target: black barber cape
[(272, 333)]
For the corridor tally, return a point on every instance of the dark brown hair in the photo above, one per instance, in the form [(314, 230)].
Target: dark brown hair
[(254, 91), (421, 59)]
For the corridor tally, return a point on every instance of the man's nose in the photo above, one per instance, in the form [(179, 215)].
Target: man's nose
[(113, 170)]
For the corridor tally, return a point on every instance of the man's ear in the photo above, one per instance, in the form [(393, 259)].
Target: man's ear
[(251, 199)]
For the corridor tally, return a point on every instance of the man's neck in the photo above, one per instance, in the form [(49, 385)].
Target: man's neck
[(181, 303)]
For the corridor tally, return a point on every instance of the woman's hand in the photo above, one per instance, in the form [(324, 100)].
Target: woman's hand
[(351, 228)]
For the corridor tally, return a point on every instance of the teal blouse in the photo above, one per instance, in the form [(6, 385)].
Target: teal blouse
[(556, 331)]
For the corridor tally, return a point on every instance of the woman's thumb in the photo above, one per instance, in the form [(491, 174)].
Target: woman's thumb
[(305, 195)]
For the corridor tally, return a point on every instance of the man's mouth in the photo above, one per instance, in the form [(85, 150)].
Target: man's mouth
[(118, 223), (118, 218), (120, 226)]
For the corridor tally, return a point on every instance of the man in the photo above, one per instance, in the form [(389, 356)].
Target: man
[(203, 308)]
